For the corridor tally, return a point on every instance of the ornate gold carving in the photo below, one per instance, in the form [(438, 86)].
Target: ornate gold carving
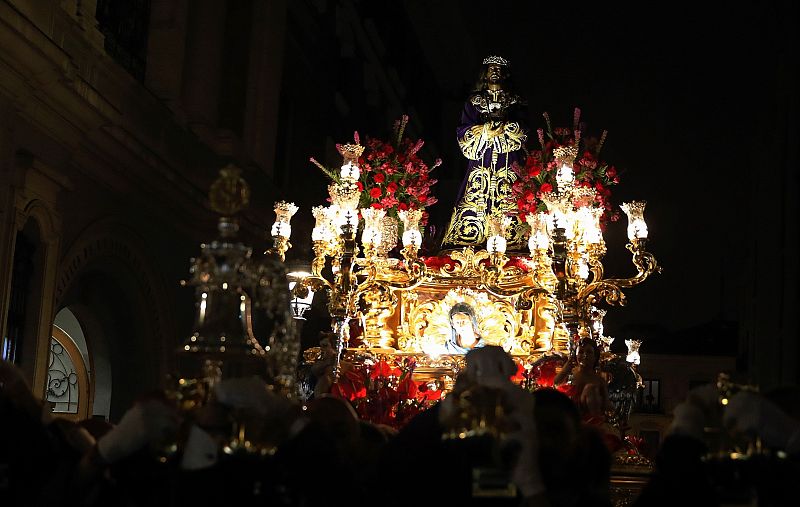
[(381, 303), (428, 328), (350, 152), (566, 153), (468, 263), (230, 193)]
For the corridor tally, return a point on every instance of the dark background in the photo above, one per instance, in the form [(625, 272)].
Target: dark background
[(699, 102)]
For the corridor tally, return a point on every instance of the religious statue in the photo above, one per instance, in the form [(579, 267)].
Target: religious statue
[(464, 335), (492, 137)]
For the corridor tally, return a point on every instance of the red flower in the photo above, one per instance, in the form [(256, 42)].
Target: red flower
[(402, 206), (407, 389), (376, 205), (350, 386), (520, 375), (391, 187), (546, 188), (389, 201), (360, 186), (379, 178), (382, 369), (375, 192)]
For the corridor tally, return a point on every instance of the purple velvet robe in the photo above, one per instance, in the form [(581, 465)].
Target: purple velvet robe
[(486, 188)]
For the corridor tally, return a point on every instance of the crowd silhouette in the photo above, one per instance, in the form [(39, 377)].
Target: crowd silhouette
[(537, 449)]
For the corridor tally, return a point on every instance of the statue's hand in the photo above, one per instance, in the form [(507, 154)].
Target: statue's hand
[(495, 129)]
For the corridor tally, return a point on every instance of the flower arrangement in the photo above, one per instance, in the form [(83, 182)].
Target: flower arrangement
[(393, 176), (385, 393), (537, 176)]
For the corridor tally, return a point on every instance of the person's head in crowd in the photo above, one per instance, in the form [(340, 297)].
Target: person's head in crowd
[(576, 464), (588, 354), (336, 416)]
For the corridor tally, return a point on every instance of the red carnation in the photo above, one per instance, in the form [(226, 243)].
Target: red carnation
[(546, 188), (375, 192), (379, 178), (360, 186), (391, 187)]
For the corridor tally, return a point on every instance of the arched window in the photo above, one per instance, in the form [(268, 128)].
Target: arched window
[(68, 385)]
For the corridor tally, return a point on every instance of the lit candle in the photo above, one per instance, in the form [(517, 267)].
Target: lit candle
[(637, 228)]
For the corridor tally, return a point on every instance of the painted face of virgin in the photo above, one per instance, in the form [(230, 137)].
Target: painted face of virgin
[(462, 323)]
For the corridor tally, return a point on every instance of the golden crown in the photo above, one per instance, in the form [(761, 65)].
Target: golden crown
[(497, 60)]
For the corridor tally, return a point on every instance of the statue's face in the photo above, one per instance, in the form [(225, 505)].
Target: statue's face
[(462, 323), (495, 73)]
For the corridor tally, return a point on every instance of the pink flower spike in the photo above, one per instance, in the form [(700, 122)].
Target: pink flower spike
[(356, 138), (576, 118), (602, 140), (541, 136)]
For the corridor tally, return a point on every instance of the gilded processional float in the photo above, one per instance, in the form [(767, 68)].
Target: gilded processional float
[(519, 265)]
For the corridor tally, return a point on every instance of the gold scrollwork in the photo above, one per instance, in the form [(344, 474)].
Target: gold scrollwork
[(427, 325)]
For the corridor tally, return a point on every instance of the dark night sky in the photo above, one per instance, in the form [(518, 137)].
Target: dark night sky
[(685, 91)]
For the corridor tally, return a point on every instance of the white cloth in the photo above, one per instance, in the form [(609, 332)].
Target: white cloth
[(146, 422), (490, 366), (687, 420), (751, 414), (201, 451), (526, 473)]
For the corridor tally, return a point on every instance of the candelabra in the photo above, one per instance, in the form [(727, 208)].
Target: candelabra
[(355, 285), (567, 247), (229, 283)]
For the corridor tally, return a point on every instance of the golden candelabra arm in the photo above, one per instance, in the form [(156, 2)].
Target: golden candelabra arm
[(526, 295), (318, 264), (596, 253), (611, 289), (280, 245)]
